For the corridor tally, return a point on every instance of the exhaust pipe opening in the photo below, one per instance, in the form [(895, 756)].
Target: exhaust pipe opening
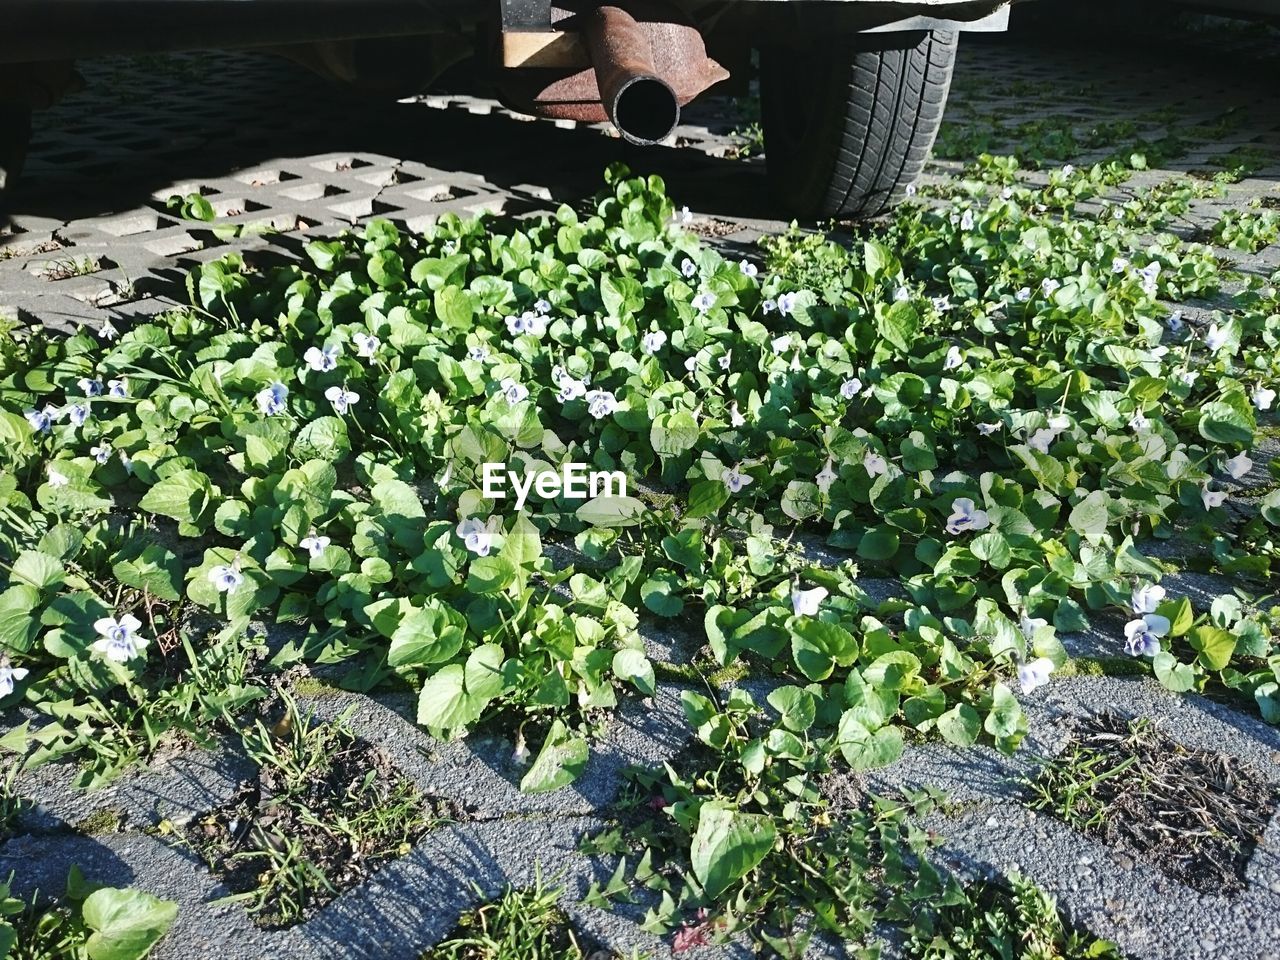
[(643, 106), (645, 110)]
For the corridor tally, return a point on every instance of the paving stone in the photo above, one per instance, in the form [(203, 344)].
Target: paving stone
[(178, 784), (203, 928), (479, 772)]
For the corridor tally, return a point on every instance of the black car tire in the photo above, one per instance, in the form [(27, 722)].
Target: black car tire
[(15, 134), (848, 127)]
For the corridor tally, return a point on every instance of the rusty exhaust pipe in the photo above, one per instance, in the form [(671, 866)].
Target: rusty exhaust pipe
[(643, 106)]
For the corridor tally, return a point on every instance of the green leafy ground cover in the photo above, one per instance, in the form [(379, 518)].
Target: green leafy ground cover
[(987, 400)]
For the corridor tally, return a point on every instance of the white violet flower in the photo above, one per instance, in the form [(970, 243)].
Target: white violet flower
[(475, 536), (735, 480), (653, 341), (271, 401), (322, 359), (314, 545), (601, 403), (341, 398), (805, 603), (1238, 466), (514, 392), (1034, 675), (225, 577), (118, 640)]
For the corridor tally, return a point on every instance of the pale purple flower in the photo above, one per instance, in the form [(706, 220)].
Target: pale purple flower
[(118, 639), (1146, 598), (42, 420), (601, 403), (805, 603), (1119, 265), (341, 398), (314, 545), (1041, 439), (736, 419), (850, 388), (735, 480), (1048, 285), (874, 464), (101, 452), (1023, 295), (78, 414), (781, 344), (685, 215), (911, 190), (1174, 322), (704, 301), (901, 295), (118, 389), (653, 341), (542, 306), (1263, 397), (1215, 338), (366, 344), (91, 388), (689, 268), (322, 359), (108, 331), (1034, 675), (127, 462), (966, 516), (1068, 170), (941, 304), (226, 578), (726, 360), (768, 306), (987, 429), (1139, 422), (1238, 466), (272, 400), (786, 304), (1029, 625), (1212, 498), (521, 754), (966, 220), (56, 478), (1142, 636), (748, 269), (953, 359), (475, 536), (8, 675)]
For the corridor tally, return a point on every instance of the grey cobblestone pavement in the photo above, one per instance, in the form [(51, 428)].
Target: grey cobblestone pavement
[(268, 145)]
